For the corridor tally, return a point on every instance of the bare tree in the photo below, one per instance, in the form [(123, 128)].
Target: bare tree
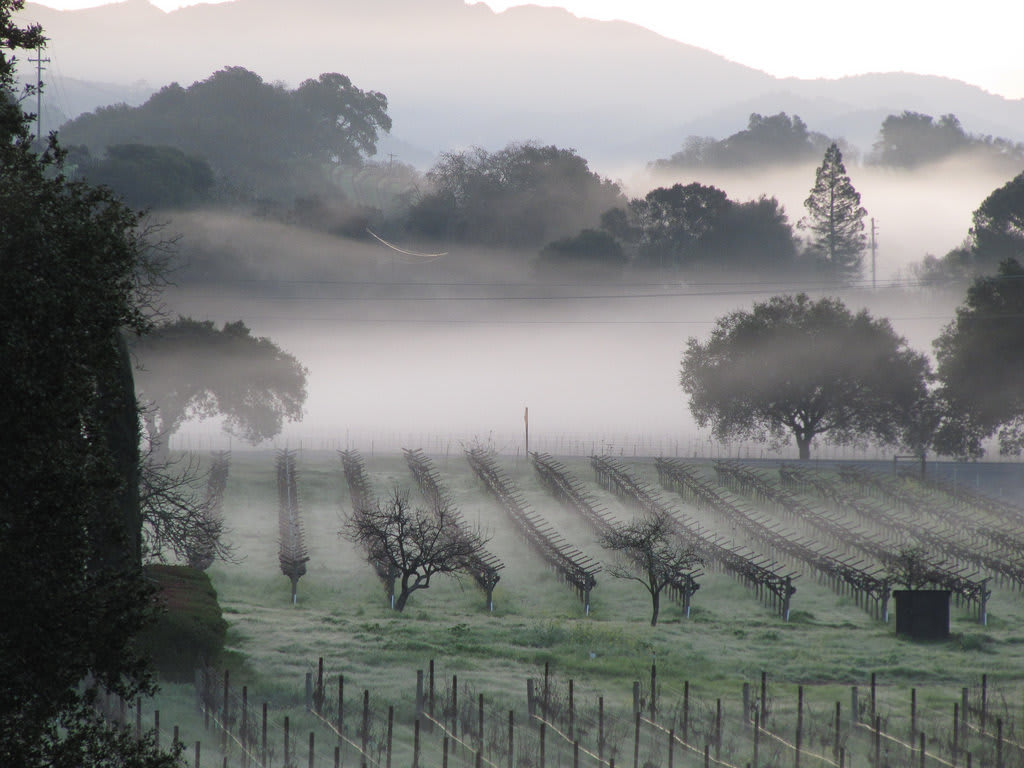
[(652, 552), (415, 543), (179, 516)]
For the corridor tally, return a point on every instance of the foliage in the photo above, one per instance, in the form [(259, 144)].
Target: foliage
[(913, 139), (522, 196), (980, 368), (264, 138), (147, 176), (414, 543), (653, 554), (792, 366), (998, 226), (191, 369), (191, 630), (766, 140), (693, 225), (75, 273), (592, 250), (911, 568), (835, 217)]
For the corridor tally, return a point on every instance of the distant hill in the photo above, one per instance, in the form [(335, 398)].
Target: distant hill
[(458, 74)]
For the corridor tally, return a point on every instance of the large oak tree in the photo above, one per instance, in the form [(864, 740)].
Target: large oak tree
[(796, 368)]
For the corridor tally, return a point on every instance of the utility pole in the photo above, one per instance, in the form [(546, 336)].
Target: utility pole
[(873, 249), (39, 61)]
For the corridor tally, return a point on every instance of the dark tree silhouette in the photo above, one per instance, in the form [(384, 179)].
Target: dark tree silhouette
[(653, 553), (792, 367), (75, 274), (980, 368), (191, 369), (998, 225), (416, 544), (835, 217)]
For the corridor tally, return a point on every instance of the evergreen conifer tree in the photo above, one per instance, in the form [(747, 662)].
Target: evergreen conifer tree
[(835, 217)]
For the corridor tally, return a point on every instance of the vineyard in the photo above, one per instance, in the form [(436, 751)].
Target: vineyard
[(781, 650)]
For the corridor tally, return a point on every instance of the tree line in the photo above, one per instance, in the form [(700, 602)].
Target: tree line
[(201, 146), (795, 369)]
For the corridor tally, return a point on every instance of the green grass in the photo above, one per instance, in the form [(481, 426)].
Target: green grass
[(342, 615)]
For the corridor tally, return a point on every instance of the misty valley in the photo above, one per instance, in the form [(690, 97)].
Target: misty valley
[(481, 404)]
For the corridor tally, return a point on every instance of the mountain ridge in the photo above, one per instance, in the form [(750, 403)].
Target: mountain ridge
[(458, 74)]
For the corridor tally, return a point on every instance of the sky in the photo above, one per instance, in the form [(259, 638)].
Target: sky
[(978, 44)]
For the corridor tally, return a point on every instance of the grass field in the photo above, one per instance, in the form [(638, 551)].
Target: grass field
[(342, 615)]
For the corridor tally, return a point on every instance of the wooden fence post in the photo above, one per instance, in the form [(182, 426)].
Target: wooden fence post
[(913, 716), (263, 737), (511, 738), (686, 711), (197, 755), (799, 722), (984, 703), (636, 740), (318, 692), (543, 733), (311, 750), (416, 743), (286, 739), (837, 733), (600, 727), (746, 706), (757, 737), (419, 693), (764, 699), (391, 725), (718, 729), (341, 707), (366, 724), (873, 699), (956, 731), (671, 745), (654, 689), (480, 721), (244, 733), (309, 691), (572, 709)]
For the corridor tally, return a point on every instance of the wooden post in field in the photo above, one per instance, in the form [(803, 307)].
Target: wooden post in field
[(543, 733), (511, 738), (873, 699), (878, 739), (419, 693), (671, 745), (391, 726), (913, 716), (480, 721), (654, 689), (764, 699), (444, 753), (263, 737), (197, 755), (245, 725), (312, 752), (837, 732), (309, 691), (799, 721), (366, 725), (600, 727), (636, 740), (984, 703), (686, 711), (287, 725), (757, 736), (337, 757), (854, 707), (175, 738), (572, 712), (546, 689), (531, 698), (455, 706), (636, 697), (430, 698), (999, 742), (416, 743), (576, 754), (707, 756), (956, 731), (318, 692), (718, 729), (341, 707), (998, 765)]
